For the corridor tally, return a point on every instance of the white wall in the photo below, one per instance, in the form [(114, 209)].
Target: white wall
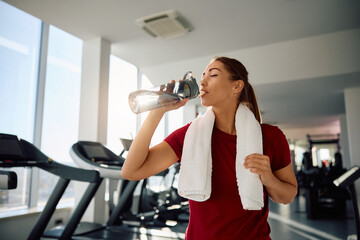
[(352, 103)]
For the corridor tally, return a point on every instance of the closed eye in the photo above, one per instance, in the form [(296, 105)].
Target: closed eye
[(213, 75)]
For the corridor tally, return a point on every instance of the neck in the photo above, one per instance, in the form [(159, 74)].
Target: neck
[(225, 119)]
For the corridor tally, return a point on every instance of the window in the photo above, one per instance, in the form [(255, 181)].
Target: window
[(121, 120), (61, 105), (175, 119), (159, 133), (19, 57)]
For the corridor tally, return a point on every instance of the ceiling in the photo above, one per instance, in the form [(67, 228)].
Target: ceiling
[(221, 27)]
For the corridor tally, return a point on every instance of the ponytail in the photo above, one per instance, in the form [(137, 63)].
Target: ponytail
[(253, 102)]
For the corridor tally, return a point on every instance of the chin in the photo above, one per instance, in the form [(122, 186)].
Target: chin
[(204, 103)]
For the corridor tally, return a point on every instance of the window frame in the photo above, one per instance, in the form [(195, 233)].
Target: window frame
[(39, 111)]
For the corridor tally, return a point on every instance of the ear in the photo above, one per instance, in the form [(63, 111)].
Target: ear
[(238, 86)]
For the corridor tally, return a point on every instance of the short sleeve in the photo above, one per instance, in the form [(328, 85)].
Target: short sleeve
[(276, 147), (176, 140), (281, 151)]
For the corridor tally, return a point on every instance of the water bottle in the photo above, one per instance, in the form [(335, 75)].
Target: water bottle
[(166, 94)]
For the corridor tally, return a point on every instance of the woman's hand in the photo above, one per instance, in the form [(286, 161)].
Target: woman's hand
[(169, 107), (281, 185), (260, 164)]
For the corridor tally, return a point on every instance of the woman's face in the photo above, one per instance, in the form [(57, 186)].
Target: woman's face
[(217, 88)]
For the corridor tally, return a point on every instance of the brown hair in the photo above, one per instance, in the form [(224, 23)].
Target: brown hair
[(238, 72)]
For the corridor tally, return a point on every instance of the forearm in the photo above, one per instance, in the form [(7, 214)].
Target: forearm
[(140, 146), (281, 185), (280, 191)]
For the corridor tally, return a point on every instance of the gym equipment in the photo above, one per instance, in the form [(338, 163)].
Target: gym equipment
[(167, 203), (166, 199), (97, 157), (8, 180), (347, 180), (93, 155), (323, 198), (15, 152)]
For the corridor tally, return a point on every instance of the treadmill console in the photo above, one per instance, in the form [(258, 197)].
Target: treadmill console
[(94, 151), (97, 153), (10, 148)]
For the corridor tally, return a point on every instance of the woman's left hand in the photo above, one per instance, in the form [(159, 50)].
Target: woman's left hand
[(260, 164)]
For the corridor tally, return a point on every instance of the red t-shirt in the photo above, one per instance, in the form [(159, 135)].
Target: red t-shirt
[(222, 215)]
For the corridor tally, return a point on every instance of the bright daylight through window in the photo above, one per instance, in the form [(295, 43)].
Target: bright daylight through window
[(19, 62)]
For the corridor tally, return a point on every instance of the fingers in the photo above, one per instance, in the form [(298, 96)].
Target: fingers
[(169, 86), (181, 103), (260, 164), (176, 105), (256, 158), (257, 163)]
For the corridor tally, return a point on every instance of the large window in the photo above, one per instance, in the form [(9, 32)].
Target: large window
[(175, 119), (19, 57), (121, 120), (61, 105), (122, 123), (20, 44), (159, 133)]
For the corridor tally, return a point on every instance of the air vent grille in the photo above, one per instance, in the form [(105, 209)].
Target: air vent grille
[(165, 25)]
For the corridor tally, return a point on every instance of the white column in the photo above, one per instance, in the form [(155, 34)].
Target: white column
[(352, 103), (93, 113), (344, 142), (94, 90)]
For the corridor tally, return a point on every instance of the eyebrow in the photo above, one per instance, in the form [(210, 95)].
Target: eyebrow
[(214, 69), (211, 70)]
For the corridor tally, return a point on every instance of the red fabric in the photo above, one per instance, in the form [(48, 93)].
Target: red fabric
[(222, 216)]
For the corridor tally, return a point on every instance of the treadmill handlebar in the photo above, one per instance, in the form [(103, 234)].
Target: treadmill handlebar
[(71, 173), (15, 152)]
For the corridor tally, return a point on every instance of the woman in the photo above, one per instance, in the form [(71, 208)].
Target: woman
[(224, 86)]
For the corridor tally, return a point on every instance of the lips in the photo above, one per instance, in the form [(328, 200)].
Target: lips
[(202, 92)]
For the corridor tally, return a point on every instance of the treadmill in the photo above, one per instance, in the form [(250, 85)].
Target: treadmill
[(8, 180), (15, 152), (93, 155)]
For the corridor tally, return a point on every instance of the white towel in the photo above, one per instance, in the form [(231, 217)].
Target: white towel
[(196, 160)]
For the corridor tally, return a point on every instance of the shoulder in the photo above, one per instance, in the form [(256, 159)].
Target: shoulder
[(271, 132), (182, 130), (178, 135), (275, 146), (176, 140)]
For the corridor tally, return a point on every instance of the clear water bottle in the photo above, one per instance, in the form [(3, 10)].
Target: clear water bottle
[(166, 94)]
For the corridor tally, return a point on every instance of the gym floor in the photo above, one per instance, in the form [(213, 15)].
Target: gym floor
[(286, 221), (291, 222)]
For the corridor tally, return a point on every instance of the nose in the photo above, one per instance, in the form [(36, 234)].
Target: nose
[(203, 81)]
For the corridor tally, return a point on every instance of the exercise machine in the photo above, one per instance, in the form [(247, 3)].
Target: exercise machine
[(93, 155), (8, 180), (345, 181), (15, 152), (165, 199), (323, 198)]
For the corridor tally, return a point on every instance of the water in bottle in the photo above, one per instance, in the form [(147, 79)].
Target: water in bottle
[(166, 94)]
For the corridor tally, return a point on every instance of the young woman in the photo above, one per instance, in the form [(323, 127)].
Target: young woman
[(224, 86)]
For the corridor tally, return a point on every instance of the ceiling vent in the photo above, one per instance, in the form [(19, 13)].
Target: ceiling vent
[(169, 24)]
